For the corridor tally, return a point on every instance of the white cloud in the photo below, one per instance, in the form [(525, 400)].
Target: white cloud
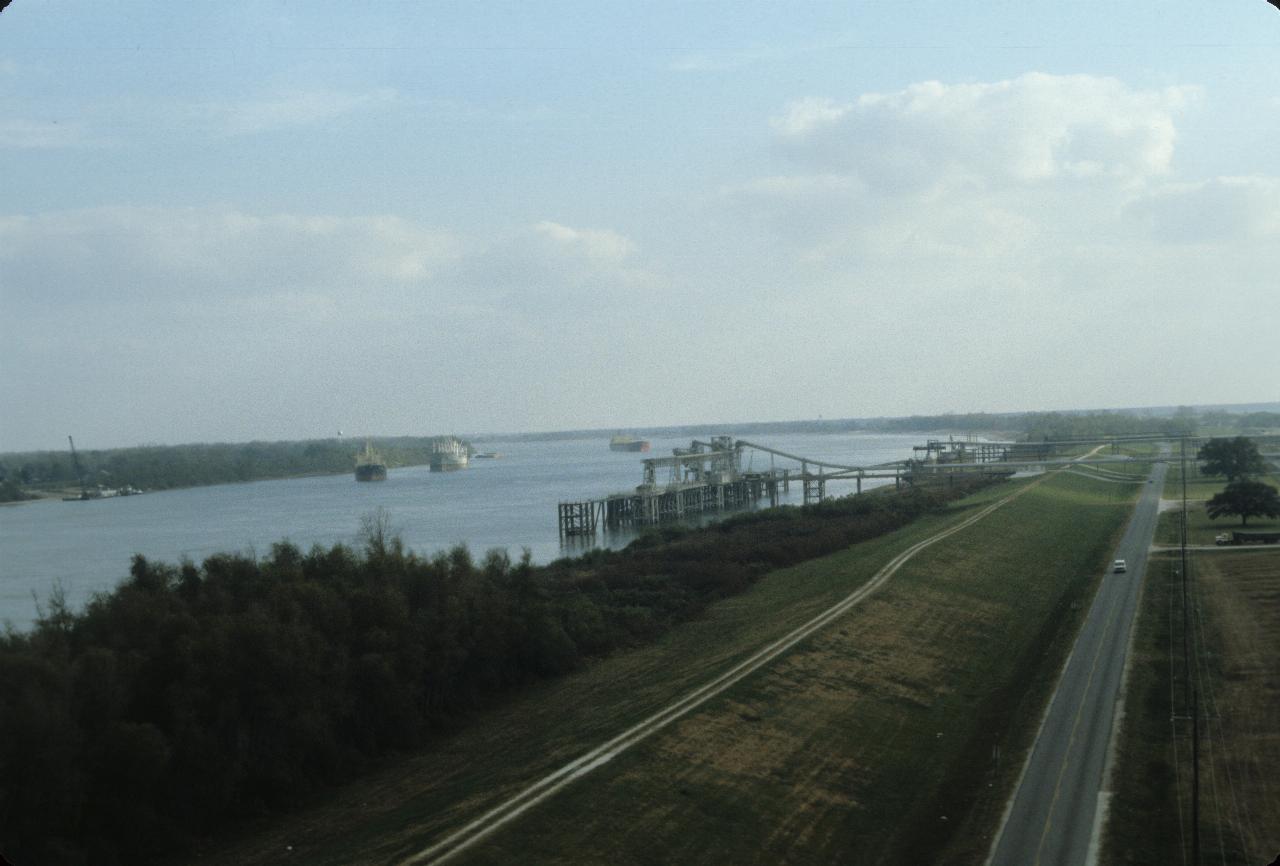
[(281, 317), (806, 116), (130, 255), (283, 266), (595, 244), (1030, 129), (1220, 209)]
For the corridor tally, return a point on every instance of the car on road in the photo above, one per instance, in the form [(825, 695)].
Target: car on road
[(1119, 567)]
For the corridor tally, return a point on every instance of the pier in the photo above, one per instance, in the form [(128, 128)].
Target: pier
[(708, 477)]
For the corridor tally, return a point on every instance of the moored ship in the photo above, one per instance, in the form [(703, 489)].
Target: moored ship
[(369, 465), (628, 443), (449, 454)]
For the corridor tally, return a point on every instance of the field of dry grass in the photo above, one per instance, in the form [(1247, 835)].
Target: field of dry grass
[(1235, 629)]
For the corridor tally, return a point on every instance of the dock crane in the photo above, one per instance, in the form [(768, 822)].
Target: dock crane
[(75, 460)]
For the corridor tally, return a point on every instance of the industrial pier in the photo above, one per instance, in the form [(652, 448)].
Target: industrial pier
[(708, 477)]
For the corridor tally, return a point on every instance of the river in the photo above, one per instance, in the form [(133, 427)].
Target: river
[(509, 502)]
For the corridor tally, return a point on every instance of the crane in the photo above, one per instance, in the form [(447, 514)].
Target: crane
[(75, 460)]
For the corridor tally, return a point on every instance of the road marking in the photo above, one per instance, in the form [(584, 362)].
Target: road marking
[(1113, 613), (1075, 724), (548, 785)]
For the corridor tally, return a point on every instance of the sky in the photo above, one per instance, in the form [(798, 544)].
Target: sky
[(281, 219)]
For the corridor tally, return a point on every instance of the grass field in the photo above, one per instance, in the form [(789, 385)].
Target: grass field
[(1200, 528), (917, 705), (1235, 628), (1202, 486)]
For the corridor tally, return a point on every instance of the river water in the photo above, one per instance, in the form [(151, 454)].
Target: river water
[(508, 502)]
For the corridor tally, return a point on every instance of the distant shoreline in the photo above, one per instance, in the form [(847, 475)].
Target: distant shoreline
[(57, 495)]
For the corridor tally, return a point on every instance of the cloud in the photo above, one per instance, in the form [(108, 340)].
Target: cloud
[(1026, 130), (289, 109), (135, 255), (601, 245), (548, 270), (1220, 209), (151, 316), (804, 117), (286, 266)]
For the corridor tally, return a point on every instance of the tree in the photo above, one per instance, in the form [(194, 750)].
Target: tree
[(1236, 458), (1246, 498)]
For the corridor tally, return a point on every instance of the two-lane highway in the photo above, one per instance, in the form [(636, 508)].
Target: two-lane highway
[(1052, 817)]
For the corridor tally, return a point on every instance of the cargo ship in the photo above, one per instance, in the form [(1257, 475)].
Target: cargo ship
[(628, 443), (369, 465), (449, 454)]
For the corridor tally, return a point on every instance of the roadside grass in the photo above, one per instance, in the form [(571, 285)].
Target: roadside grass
[(1198, 486), (893, 736), (1201, 529), (1236, 631), (1143, 824)]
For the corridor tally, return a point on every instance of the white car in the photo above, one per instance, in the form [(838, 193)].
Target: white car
[(1118, 567)]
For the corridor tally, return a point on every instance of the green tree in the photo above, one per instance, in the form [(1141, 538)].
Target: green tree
[(1236, 458), (1247, 499)]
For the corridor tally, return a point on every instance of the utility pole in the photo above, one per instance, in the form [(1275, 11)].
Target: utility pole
[(1188, 683)]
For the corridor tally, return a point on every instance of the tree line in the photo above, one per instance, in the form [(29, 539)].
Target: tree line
[(156, 467), (1038, 426), (193, 697)]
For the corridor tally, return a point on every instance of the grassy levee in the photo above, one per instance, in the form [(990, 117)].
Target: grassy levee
[(402, 807), (893, 736), (830, 754), (1236, 640)]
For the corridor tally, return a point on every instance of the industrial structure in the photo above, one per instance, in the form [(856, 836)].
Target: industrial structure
[(708, 477)]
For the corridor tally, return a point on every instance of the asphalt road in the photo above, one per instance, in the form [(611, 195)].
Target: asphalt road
[(1052, 818)]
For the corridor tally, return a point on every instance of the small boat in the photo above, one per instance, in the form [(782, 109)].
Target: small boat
[(487, 455), (628, 443)]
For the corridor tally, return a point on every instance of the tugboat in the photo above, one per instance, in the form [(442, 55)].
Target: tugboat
[(449, 454), (369, 465)]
